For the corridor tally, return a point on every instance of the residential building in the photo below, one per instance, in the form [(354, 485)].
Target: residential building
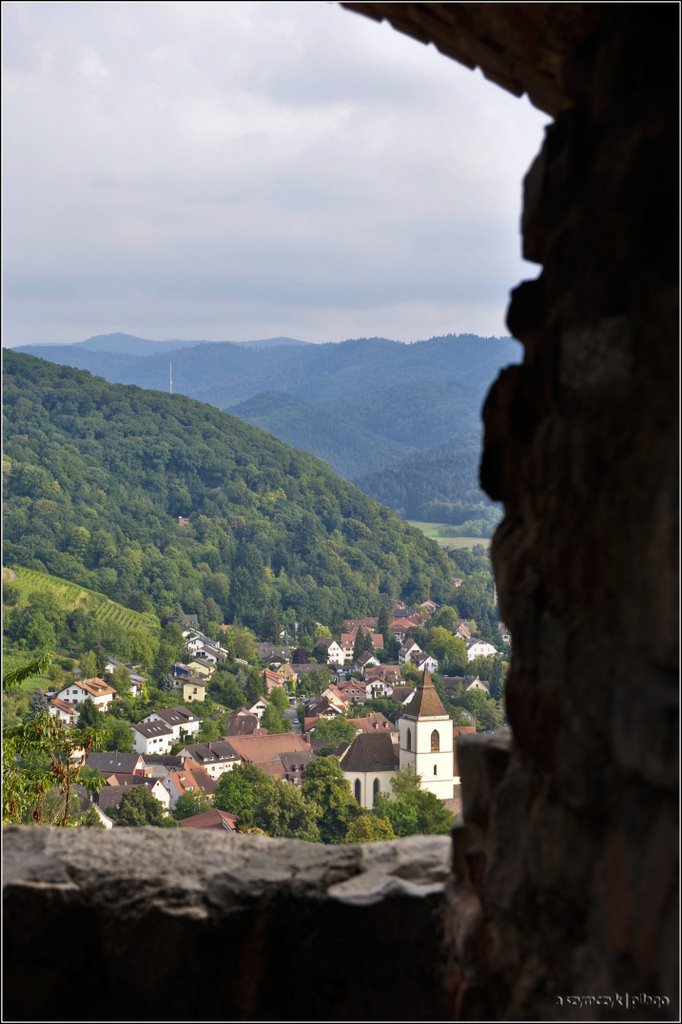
[(109, 762), (242, 723), (196, 782), (179, 720), (193, 689), (260, 748), (425, 662), (152, 737), (96, 690), (258, 708), (272, 679), (201, 667), (408, 652), (213, 820), (376, 722), (67, 714), (216, 757), (479, 649)]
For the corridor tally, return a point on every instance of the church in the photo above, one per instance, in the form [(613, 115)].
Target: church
[(425, 744)]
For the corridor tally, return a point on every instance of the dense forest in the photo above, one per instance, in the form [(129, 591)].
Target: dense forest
[(363, 406), (439, 485), (367, 433), (96, 476)]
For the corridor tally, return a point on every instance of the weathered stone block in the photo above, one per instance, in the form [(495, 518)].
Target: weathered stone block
[(203, 927)]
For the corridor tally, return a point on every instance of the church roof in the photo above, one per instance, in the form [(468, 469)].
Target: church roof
[(370, 752), (426, 702)]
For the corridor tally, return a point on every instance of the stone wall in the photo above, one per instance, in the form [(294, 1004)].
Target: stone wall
[(156, 924), (577, 858)]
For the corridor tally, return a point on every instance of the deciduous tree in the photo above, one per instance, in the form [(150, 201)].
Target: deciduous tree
[(324, 783)]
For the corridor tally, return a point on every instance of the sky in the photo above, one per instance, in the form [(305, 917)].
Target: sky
[(231, 171)]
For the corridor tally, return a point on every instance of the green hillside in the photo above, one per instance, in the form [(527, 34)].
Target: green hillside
[(440, 485), (67, 597), (98, 474), (42, 612)]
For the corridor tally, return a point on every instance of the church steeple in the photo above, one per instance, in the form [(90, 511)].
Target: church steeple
[(426, 740), (426, 702)]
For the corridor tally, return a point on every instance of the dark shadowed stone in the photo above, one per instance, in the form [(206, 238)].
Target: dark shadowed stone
[(483, 760), (183, 926)]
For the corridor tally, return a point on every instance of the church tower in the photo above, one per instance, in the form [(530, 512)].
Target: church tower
[(426, 740)]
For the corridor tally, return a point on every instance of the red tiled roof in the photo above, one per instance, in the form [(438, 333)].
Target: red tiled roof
[(265, 748), (213, 819), (376, 722), (57, 702)]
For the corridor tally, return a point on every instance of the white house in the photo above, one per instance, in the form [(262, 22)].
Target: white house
[(478, 684), (408, 652), (259, 707), (96, 690), (152, 737), (426, 740), (196, 644), (479, 649), (425, 662), (216, 757), (195, 781), (378, 688), (367, 660), (335, 654), (136, 681), (66, 713), (179, 720)]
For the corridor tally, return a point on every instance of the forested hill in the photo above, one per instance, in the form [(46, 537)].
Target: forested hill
[(439, 485), (224, 373), (97, 474), (364, 406)]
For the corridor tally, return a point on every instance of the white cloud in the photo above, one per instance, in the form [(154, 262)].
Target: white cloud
[(234, 169)]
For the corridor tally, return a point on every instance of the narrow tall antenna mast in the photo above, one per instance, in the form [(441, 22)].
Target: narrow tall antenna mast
[(170, 378)]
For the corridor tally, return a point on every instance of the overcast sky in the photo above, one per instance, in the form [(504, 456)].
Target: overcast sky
[(244, 170)]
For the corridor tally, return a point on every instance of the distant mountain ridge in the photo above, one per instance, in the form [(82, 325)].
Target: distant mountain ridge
[(363, 405), (119, 344)]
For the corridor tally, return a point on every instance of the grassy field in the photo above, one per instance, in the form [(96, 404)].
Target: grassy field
[(69, 596), (441, 533)]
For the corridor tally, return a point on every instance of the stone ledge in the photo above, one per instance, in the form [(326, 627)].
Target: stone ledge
[(175, 925)]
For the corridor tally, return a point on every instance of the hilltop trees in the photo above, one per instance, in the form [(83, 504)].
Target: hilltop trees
[(269, 528)]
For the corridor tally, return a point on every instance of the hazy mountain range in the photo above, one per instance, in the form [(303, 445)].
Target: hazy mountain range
[(402, 421)]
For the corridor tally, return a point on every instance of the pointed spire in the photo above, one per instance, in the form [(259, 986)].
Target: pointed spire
[(426, 702)]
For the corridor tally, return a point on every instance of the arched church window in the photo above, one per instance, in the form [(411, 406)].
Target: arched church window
[(435, 740), (408, 741), (357, 790), (435, 769), (375, 791)]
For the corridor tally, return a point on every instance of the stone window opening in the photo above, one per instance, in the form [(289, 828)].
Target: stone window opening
[(553, 428), (435, 741)]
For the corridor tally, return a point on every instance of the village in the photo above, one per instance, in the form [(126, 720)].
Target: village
[(378, 719)]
